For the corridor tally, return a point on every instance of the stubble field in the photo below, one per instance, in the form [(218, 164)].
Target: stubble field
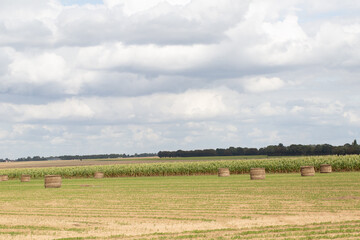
[(284, 206), (117, 161)]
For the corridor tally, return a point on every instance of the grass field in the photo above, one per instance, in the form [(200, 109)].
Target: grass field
[(284, 206)]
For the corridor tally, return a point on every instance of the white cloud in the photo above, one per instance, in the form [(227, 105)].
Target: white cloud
[(198, 104), (297, 109), (256, 133), (20, 129), (322, 106), (263, 84), (132, 7), (352, 117), (3, 134), (57, 140), (47, 67), (157, 74), (267, 109), (28, 23), (68, 109), (284, 31), (145, 58), (158, 107), (141, 134), (264, 136)]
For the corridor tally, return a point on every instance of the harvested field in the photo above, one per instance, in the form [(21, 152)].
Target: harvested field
[(98, 162), (284, 206)]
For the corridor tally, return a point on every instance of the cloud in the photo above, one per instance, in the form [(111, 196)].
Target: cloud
[(153, 75), (68, 109), (132, 7), (28, 24), (57, 140), (193, 105), (297, 109), (47, 67), (4, 60), (263, 84), (48, 23), (256, 133), (148, 58), (268, 110), (261, 136), (352, 117)]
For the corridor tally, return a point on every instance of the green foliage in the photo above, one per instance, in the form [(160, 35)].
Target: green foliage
[(271, 165)]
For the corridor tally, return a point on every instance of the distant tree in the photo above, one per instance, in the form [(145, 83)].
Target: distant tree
[(250, 151), (220, 152)]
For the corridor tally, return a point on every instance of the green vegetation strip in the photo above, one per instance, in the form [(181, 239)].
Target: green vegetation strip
[(272, 165), (328, 230), (45, 228)]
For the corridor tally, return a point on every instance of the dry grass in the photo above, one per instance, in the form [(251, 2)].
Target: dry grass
[(284, 206)]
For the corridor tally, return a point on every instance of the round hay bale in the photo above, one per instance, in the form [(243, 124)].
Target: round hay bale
[(99, 175), (52, 181), (223, 172), (25, 178), (325, 168), (257, 173), (307, 171), (4, 177)]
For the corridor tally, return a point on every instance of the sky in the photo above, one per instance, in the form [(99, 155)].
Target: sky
[(134, 76)]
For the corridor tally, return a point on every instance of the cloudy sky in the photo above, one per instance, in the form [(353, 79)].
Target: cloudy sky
[(132, 76)]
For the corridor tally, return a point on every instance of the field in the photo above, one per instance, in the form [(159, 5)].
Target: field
[(112, 161), (284, 206), (203, 166)]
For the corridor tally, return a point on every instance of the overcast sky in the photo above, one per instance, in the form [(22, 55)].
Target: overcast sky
[(133, 76)]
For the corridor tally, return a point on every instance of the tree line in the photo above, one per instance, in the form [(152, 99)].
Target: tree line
[(271, 150), (80, 157)]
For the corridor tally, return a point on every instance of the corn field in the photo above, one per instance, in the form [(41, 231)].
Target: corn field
[(273, 165)]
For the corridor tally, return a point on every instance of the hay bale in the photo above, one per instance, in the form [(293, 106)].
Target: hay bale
[(223, 172), (52, 181), (307, 171), (99, 175), (4, 177), (325, 168), (25, 178), (257, 173)]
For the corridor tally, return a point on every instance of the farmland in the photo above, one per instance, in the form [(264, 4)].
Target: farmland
[(184, 199), (286, 206), (191, 167), (113, 161)]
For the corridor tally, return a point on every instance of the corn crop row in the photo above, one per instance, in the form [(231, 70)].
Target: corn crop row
[(273, 165)]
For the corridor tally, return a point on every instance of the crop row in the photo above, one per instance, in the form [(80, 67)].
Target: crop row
[(273, 165)]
